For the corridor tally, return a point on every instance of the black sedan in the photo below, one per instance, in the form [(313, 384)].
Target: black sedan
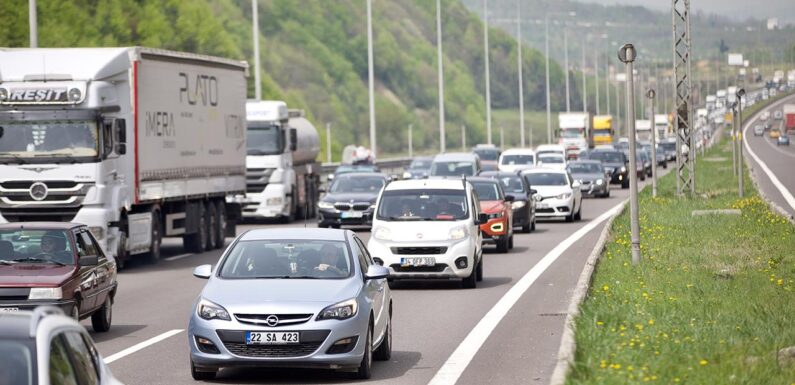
[(524, 198), (419, 168), (615, 163), (350, 168), (592, 177), (350, 199)]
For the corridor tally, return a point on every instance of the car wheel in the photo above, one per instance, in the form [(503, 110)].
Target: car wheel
[(503, 245), (510, 242), (470, 282), (625, 183), (220, 234), (157, 239), (526, 228), (212, 226), (480, 270), (75, 313), (578, 216), (201, 375), (384, 351), (366, 367), (101, 319)]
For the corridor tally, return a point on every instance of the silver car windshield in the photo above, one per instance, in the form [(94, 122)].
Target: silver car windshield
[(287, 259)]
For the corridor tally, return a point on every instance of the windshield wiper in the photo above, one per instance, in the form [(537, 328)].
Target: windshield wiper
[(58, 155), (15, 156), (405, 218), (31, 259)]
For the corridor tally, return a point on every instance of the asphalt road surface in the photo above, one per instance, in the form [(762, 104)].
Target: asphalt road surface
[(148, 343), (776, 176)]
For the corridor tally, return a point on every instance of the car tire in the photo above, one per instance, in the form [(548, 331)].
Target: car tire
[(578, 216), (510, 242), (197, 242), (102, 318), (75, 312), (533, 224), (479, 277), (527, 227), (384, 351), (365, 370), (503, 245), (471, 281), (201, 375), (220, 234), (212, 225), (121, 250), (157, 238), (625, 183)]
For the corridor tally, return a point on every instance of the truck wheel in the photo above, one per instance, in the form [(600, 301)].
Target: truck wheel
[(121, 249), (212, 226), (290, 217), (157, 238), (197, 241), (220, 234)]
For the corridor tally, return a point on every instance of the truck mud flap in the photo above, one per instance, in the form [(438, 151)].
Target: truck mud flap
[(234, 214)]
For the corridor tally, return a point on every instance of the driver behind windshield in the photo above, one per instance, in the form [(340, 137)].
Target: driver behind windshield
[(330, 257), (53, 246)]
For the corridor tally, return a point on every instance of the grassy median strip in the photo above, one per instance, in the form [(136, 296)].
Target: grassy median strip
[(713, 300)]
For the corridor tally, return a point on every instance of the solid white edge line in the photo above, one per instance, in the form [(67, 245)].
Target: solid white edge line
[(455, 365), (176, 257), (777, 183), (142, 345)]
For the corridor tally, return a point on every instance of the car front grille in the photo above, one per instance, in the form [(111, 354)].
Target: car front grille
[(283, 319), (272, 351), (545, 211), (419, 250), (437, 268)]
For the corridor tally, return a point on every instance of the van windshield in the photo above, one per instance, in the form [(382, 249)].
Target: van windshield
[(423, 205)]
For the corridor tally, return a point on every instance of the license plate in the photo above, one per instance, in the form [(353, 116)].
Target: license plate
[(542, 205), (416, 262), (352, 214), (8, 309), (272, 338)]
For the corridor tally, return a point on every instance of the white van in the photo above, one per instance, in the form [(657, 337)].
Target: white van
[(429, 228), (517, 158)]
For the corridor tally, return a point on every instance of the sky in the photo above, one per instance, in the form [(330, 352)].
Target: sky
[(735, 9)]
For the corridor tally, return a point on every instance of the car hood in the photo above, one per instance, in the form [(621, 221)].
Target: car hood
[(34, 274), (588, 177), (551, 191), (351, 197), (489, 207), (256, 295)]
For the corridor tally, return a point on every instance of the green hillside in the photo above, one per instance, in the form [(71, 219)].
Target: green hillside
[(314, 54)]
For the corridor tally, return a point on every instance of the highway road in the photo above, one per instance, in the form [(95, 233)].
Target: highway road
[(148, 344), (774, 164)]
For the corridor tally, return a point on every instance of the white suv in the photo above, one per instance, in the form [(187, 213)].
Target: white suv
[(429, 229)]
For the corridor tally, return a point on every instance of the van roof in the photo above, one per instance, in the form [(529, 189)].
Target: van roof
[(426, 184), (456, 157), (518, 151)]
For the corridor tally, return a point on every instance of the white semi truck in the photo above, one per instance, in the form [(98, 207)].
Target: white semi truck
[(574, 131), (137, 143), (282, 172)]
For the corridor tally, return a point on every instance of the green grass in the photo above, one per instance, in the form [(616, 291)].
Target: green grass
[(712, 301)]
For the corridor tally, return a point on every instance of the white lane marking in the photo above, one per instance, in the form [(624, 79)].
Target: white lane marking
[(455, 365), (142, 345), (177, 257), (777, 183)]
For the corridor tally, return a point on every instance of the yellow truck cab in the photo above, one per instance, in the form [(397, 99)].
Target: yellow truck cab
[(602, 129)]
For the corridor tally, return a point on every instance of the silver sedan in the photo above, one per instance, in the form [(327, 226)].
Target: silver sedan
[(292, 298)]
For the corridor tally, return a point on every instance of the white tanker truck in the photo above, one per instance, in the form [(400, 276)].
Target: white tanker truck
[(282, 172)]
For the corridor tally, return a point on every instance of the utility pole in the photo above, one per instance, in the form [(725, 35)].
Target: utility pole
[(463, 138), (627, 55), (566, 65), (33, 24), (740, 94), (734, 137), (546, 53), (651, 94), (683, 119), (328, 142), (255, 40), (584, 81), (370, 77), (607, 82), (596, 73), (488, 83), (521, 78), (411, 144), (502, 138), (442, 141)]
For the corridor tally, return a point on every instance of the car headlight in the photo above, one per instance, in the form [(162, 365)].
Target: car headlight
[(340, 311), (277, 201), (372, 206), (564, 196), (623, 169), (325, 205), (599, 182), (518, 204), (458, 233), (209, 311), (45, 293), (406, 175), (383, 234), (495, 215)]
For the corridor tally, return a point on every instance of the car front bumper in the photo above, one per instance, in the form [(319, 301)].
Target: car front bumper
[(336, 217), (445, 254), (554, 207), (593, 189), (64, 304)]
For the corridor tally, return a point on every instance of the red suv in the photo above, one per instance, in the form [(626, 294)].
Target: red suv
[(58, 264), (497, 206)]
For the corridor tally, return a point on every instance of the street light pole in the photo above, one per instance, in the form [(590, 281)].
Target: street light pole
[(370, 76), (740, 94), (328, 142), (651, 95), (488, 83), (546, 54), (255, 38), (33, 24), (411, 140), (442, 141), (521, 78), (596, 73), (584, 82), (566, 66), (607, 82), (734, 136), (627, 55)]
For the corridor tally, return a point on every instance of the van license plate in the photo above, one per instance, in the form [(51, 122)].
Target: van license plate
[(417, 262), (8, 309)]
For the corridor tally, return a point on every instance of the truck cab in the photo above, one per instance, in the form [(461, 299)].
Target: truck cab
[(573, 131)]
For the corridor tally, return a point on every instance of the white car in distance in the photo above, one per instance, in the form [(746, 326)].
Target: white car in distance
[(552, 160), (560, 194), (515, 159)]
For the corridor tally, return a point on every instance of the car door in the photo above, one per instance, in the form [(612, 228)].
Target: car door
[(375, 289), (474, 207), (106, 271), (89, 280), (576, 192)]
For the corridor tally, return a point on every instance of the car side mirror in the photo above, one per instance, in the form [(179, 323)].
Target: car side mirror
[(88, 260), (321, 189), (203, 271), (533, 191), (575, 184), (330, 176), (376, 272), (510, 198), (121, 148), (482, 218)]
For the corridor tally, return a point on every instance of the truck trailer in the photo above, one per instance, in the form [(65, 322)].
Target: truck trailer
[(137, 143), (789, 118), (282, 171)]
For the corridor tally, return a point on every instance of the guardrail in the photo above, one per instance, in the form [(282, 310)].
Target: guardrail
[(394, 166)]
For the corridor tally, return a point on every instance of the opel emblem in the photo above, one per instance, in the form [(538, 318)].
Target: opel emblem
[(38, 191), (419, 235), (272, 320)]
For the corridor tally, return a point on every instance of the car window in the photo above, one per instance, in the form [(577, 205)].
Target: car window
[(364, 257), (84, 242), (518, 159), (357, 184), (35, 246), (82, 359), (62, 371), (488, 191), (15, 363), (423, 205), (287, 259), (546, 179), (94, 242), (512, 183), (453, 168)]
